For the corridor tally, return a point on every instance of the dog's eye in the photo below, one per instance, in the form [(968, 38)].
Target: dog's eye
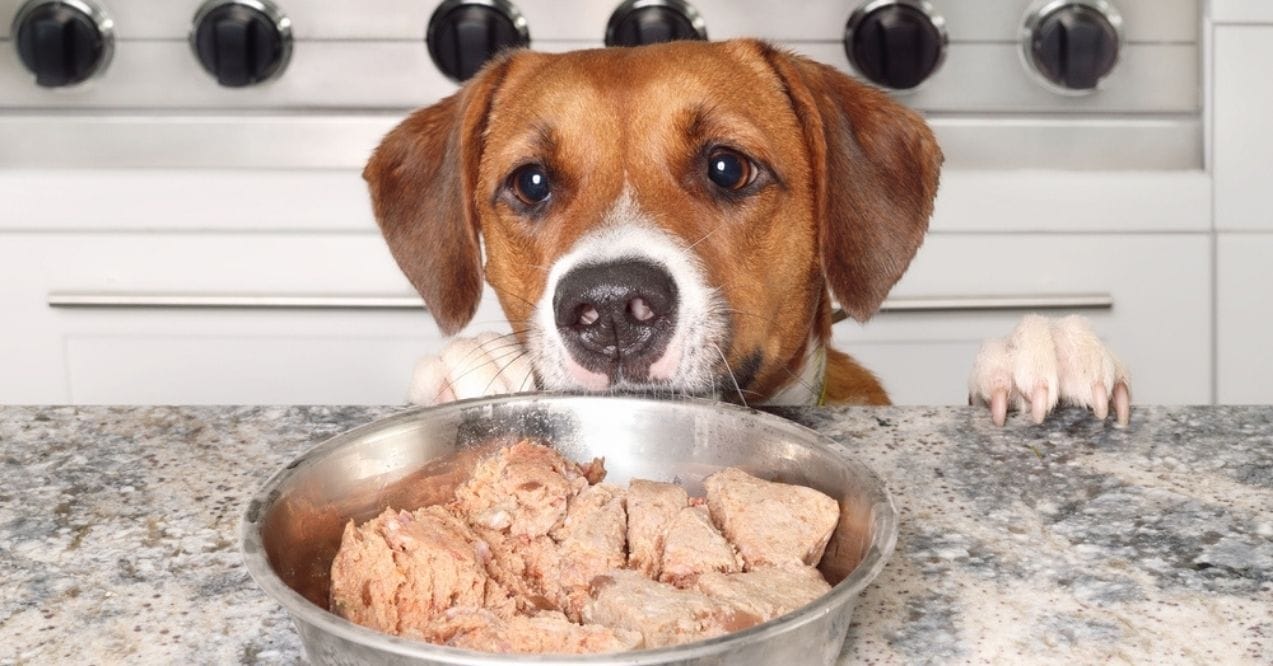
[(730, 170), (530, 184)]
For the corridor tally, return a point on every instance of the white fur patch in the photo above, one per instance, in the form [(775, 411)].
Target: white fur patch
[(805, 388), (691, 360)]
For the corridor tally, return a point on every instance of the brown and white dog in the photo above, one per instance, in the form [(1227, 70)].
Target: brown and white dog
[(676, 218)]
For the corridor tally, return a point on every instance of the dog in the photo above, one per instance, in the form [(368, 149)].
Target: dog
[(682, 218)]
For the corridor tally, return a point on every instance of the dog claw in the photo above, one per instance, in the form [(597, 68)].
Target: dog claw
[(1100, 401), (1039, 403), (1045, 363), (999, 407), (1122, 403)]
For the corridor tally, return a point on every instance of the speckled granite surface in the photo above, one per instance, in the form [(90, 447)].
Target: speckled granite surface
[(1069, 542)]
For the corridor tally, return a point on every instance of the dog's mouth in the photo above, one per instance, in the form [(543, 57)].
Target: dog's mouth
[(689, 360)]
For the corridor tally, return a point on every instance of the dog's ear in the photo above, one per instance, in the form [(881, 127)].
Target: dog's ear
[(875, 166), (422, 178)]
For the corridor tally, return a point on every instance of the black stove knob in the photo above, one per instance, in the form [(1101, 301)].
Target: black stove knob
[(1072, 44), (639, 22), (896, 44), (63, 42), (241, 42), (464, 34)]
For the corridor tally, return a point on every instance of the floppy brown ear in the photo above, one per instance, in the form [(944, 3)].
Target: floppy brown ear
[(422, 178), (875, 166)]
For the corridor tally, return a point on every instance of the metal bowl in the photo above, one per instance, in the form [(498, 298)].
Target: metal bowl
[(292, 528)]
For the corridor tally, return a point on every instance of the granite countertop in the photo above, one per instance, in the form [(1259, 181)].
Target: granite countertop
[(1069, 542)]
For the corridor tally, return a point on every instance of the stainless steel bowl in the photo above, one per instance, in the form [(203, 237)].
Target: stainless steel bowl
[(292, 528)]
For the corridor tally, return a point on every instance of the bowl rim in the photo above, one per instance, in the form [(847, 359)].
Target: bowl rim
[(252, 548)]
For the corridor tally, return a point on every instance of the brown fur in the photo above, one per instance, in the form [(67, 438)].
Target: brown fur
[(854, 179)]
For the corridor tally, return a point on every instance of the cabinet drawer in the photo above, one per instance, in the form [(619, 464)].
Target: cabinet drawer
[(329, 351), (1158, 321), (269, 354)]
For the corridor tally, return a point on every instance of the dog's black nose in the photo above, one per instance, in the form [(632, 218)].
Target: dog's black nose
[(616, 318)]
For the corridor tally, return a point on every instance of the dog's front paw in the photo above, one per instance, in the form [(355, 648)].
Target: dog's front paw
[(488, 364), (1045, 362)]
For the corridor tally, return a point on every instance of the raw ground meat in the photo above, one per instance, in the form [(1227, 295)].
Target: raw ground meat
[(530, 557), (663, 615), (522, 489), (772, 524), (398, 571), (766, 593), (528, 568), (651, 507), (590, 542), (693, 546), (545, 632)]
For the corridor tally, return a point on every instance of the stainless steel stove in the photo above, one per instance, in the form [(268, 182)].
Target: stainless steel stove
[(184, 221), (180, 84)]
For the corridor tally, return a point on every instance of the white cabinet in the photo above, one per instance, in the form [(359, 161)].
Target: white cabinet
[(120, 354), (1159, 323), (1244, 308), (1243, 147), (1141, 238), (1243, 152)]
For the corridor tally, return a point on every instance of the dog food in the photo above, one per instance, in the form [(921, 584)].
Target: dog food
[(651, 507), (771, 523), (535, 555)]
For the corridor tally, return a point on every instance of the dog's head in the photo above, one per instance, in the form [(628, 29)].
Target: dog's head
[(662, 217)]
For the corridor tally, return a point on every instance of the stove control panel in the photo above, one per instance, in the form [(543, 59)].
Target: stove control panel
[(896, 44), (1007, 84), (639, 22), (464, 34), (1071, 45), (241, 42), (63, 42)]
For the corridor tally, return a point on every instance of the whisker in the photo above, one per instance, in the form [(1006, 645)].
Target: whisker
[(811, 388), (483, 347), (731, 374), (451, 383), (506, 366), (704, 236), (507, 292), (797, 378)]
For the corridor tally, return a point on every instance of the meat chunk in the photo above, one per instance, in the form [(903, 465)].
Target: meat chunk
[(527, 567), (771, 523), (664, 615), (522, 489), (548, 633), (692, 546), (590, 542), (397, 572), (651, 508), (534, 555), (766, 592)]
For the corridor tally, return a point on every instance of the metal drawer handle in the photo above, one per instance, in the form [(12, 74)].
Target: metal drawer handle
[(85, 299), (990, 304)]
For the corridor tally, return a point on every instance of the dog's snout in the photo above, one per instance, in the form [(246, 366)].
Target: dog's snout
[(616, 317)]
